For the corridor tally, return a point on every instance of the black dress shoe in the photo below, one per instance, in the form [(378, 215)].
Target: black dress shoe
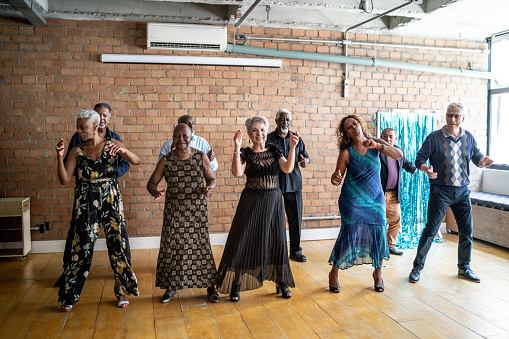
[(469, 275), (395, 251), (298, 256), (415, 275), (168, 295)]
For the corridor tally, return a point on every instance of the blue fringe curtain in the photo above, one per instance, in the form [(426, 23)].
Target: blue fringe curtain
[(411, 130)]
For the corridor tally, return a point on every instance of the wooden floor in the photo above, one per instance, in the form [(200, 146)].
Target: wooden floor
[(439, 306)]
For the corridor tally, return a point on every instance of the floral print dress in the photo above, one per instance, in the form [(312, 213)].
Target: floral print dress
[(97, 201)]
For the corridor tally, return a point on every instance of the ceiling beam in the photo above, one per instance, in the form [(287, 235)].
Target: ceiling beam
[(29, 12)]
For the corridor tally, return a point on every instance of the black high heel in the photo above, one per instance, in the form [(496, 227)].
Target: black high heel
[(212, 295), (378, 288), (234, 293), (283, 290), (333, 289)]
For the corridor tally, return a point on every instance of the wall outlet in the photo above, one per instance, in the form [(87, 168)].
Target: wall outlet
[(43, 227)]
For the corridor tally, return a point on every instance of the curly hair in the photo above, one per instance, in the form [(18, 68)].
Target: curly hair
[(343, 140)]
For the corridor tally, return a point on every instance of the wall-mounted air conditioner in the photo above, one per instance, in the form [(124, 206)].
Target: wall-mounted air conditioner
[(186, 37)]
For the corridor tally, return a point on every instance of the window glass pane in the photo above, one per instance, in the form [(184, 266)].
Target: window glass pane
[(499, 128), (500, 63)]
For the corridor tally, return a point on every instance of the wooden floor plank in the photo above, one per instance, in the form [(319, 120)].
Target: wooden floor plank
[(232, 327), (21, 319), (441, 305)]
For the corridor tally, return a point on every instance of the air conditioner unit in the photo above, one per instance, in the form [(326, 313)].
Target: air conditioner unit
[(186, 37)]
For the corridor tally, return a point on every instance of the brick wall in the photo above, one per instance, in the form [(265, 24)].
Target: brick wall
[(48, 74)]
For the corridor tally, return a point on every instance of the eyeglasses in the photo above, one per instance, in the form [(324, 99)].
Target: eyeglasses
[(455, 116)]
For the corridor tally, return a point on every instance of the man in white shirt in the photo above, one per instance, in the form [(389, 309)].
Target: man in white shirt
[(196, 142)]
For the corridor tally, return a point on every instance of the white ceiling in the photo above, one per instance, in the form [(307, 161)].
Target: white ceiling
[(471, 20)]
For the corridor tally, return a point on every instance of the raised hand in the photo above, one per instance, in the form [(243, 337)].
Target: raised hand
[(431, 174), (294, 139), (237, 139), (160, 194), (60, 147), (211, 154)]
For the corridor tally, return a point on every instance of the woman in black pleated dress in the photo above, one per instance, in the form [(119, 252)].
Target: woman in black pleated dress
[(256, 246)]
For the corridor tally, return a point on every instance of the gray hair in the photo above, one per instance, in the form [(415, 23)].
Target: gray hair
[(283, 111), (456, 104), (256, 119), (89, 114)]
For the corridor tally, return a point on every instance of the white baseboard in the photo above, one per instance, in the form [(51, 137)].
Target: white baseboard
[(137, 243)]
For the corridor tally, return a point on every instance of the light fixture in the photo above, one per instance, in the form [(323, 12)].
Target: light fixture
[(189, 60)]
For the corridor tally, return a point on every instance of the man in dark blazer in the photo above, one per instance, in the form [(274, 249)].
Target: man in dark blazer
[(291, 183), (390, 175)]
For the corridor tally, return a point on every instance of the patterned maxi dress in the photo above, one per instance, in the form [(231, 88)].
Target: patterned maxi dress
[(97, 201), (363, 235), (256, 247), (185, 257)]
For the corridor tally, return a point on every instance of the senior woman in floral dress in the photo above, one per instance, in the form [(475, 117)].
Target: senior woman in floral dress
[(97, 201)]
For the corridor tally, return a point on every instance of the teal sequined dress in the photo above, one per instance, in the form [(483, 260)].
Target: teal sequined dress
[(363, 235)]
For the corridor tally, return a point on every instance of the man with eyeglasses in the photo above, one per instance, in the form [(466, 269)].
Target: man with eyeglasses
[(449, 151)]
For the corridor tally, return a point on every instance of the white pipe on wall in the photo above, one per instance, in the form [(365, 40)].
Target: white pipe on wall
[(358, 43)]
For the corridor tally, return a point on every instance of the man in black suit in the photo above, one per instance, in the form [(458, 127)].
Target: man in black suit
[(390, 175)]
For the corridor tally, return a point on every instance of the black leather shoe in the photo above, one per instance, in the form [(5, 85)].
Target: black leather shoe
[(168, 295), (298, 256), (415, 275), (395, 251), (469, 275)]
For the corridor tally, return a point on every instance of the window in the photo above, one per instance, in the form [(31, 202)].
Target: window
[(498, 116)]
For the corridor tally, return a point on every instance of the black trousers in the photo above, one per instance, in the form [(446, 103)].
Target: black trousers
[(70, 238), (293, 209)]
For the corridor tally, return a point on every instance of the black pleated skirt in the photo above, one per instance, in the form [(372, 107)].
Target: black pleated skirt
[(256, 247)]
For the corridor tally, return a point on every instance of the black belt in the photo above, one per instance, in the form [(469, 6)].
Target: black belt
[(390, 190)]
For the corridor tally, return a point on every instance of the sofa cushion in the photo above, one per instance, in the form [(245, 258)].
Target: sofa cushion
[(499, 202)]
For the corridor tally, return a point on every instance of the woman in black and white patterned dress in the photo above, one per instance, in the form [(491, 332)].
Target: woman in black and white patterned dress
[(185, 257)]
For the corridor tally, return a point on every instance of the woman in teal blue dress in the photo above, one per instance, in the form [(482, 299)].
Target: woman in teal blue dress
[(363, 235)]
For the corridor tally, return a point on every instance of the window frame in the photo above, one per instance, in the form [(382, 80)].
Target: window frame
[(491, 93)]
